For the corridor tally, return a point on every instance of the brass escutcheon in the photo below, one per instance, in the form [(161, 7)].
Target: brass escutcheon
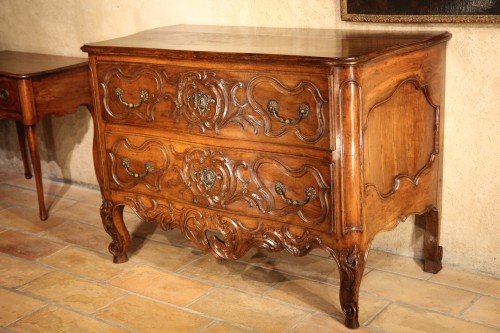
[(4, 95), (201, 102), (208, 177)]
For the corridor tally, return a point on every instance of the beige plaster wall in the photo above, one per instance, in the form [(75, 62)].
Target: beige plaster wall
[(471, 212)]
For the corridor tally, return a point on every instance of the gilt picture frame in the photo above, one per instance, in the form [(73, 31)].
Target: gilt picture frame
[(421, 11)]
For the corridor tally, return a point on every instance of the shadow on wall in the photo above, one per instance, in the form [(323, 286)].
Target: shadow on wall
[(59, 141)]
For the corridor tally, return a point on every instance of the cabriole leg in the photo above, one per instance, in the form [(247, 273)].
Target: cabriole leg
[(112, 220), (433, 253), (351, 266)]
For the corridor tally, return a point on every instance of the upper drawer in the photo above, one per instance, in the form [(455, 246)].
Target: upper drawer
[(250, 105), (8, 94)]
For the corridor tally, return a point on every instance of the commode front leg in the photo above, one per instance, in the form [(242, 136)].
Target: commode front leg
[(112, 220), (351, 267), (433, 253)]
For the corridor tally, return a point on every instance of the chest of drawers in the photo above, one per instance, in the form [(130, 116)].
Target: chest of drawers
[(283, 139)]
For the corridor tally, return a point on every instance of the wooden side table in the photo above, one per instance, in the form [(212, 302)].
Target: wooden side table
[(33, 86)]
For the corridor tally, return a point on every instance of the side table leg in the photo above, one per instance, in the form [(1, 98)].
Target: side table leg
[(37, 170), (21, 136), (112, 220), (433, 253), (352, 265)]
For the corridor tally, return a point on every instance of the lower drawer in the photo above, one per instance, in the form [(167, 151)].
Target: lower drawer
[(273, 186)]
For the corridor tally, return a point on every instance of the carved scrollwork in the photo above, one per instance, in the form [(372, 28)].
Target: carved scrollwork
[(198, 91), (351, 262), (120, 240), (210, 102), (213, 177), (223, 236)]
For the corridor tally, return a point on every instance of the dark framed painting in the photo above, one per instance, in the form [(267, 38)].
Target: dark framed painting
[(421, 11)]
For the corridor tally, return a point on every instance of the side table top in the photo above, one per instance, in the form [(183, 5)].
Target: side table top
[(23, 65)]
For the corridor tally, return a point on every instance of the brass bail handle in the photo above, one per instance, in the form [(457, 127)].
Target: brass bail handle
[(148, 165), (280, 189), (143, 97), (273, 108)]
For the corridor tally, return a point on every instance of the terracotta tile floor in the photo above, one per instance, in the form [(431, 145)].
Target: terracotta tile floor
[(57, 276)]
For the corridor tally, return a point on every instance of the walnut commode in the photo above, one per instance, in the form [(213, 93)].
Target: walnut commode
[(274, 138)]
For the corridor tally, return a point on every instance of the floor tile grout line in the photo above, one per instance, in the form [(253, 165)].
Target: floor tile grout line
[(297, 324), (25, 315), (255, 295), (423, 308), (207, 326), (469, 305), (376, 314), (49, 302), (448, 315), (436, 283), (465, 289), (95, 316), (4, 329), (180, 307)]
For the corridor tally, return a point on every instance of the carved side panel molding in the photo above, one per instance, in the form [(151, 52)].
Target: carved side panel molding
[(400, 139)]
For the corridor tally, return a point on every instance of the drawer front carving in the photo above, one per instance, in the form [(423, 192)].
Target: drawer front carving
[(286, 108), (8, 94), (142, 164), (245, 182)]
